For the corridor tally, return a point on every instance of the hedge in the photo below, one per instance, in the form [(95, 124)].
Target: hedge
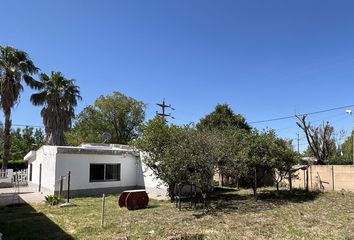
[(16, 165)]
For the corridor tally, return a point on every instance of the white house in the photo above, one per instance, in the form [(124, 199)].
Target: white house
[(94, 168)]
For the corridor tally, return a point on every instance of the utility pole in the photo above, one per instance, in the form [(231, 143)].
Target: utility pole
[(298, 142), (350, 112), (164, 106), (353, 144)]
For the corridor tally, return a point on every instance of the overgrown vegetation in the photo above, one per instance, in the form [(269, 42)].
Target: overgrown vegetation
[(188, 154)]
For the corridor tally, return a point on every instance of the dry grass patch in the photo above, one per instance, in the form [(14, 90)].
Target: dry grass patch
[(231, 215)]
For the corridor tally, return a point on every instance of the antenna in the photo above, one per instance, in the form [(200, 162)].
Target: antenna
[(106, 137)]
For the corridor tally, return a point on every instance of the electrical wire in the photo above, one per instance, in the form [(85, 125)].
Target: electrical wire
[(253, 122), (299, 115), (26, 125), (334, 117)]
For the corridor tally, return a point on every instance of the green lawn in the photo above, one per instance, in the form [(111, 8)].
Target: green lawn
[(231, 215)]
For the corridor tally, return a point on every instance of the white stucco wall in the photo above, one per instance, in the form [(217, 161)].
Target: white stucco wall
[(45, 156), (147, 178), (79, 165), (58, 161)]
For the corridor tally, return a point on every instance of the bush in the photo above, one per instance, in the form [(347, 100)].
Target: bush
[(52, 199), (340, 161), (16, 165)]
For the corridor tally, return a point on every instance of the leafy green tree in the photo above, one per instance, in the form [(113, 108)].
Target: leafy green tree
[(184, 154), (15, 67), (194, 156), (157, 140), (59, 97), (284, 157), (266, 154), (223, 117), (230, 154), (345, 155), (230, 126), (117, 114), (347, 148), (25, 140), (258, 156), (178, 154)]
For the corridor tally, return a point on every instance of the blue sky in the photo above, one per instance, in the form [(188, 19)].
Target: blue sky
[(265, 58)]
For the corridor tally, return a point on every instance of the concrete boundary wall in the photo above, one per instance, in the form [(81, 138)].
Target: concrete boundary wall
[(325, 177)]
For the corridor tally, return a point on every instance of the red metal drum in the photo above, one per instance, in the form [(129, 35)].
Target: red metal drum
[(134, 199), (137, 200), (122, 197)]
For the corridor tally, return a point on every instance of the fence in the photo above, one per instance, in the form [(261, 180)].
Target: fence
[(20, 177), (6, 175), (325, 177)]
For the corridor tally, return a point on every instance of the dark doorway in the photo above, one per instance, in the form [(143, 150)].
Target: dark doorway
[(30, 172), (40, 177)]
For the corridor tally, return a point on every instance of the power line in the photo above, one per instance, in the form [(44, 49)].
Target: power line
[(317, 120), (24, 125), (163, 106), (303, 114), (333, 117)]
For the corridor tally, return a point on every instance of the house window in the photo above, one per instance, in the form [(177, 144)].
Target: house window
[(104, 172), (96, 172)]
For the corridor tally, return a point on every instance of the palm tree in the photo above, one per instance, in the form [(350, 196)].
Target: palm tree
[(59, 97), (15, 67)]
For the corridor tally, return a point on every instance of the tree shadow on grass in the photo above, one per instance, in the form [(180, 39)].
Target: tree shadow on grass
[(188, 237), (151, 206), (285, 196), (232, 201), (21, 221)]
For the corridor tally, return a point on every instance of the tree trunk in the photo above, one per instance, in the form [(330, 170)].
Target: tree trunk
[(307, 178), (277, 186), (171, 190), (7, 138), (255, 182), (56, 138), (220, 180), (290, 181)]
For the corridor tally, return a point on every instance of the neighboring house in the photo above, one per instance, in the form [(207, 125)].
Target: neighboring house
[(309, 160), (95, 169)]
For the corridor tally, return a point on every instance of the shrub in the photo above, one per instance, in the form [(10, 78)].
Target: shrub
[(52, 199), (16, 165), (340, 161)]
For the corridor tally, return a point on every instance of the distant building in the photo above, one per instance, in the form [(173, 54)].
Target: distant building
[(309, 160), (95, 169)]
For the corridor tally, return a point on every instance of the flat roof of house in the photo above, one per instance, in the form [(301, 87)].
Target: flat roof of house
[(89, 148)]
